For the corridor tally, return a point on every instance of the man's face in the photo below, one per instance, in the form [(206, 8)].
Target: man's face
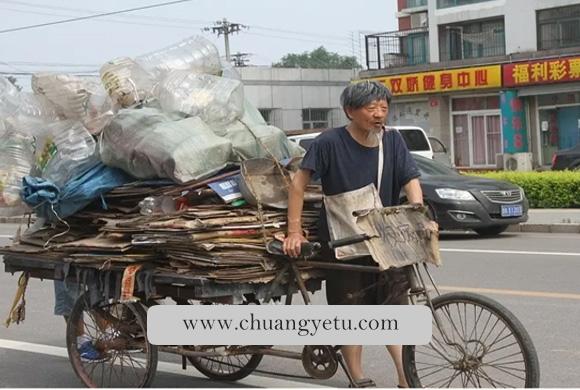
[(370, 117)]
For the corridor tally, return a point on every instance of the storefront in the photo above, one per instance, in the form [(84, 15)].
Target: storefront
[(459, 106), (553, 88)]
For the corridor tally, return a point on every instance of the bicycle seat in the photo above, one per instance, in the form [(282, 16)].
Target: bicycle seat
[(308, 250)]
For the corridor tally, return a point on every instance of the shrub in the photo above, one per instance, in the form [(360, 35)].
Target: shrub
[(549, 189)]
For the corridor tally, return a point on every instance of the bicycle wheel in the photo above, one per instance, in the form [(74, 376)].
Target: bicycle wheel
[(488, 347), (226, 368), (117, 332)]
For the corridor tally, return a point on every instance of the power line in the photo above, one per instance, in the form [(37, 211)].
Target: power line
[(77, 73), (92, 16), (298, 39), (176, 20), (102, 20), (47, 64), (84, 10)]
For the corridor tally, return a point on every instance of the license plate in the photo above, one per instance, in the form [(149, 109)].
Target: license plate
[(511, 210)]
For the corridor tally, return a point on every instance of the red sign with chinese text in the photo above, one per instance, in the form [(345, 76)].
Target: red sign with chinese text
[(557, 70)]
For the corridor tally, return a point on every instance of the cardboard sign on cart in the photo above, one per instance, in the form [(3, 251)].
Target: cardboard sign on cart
[(400, 236)]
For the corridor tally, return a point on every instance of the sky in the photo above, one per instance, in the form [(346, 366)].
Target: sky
[(275, 28)]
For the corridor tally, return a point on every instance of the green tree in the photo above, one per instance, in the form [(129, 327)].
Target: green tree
[(318, 58)]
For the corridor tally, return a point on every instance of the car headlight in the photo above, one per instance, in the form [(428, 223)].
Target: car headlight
[(453, 194)]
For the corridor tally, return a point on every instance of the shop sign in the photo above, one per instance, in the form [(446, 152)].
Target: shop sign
[(513, 116), (444, 80), (556, 70)]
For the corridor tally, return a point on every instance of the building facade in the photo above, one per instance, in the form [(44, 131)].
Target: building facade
[(293, 98), (498, 81)]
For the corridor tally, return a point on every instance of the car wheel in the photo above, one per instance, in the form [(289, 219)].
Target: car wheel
[(491, 231)]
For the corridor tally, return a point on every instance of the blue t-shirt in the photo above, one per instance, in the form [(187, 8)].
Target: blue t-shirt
[(345, 165)]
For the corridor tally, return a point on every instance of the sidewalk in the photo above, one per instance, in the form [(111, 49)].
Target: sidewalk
[(540, 221), (550, 221)]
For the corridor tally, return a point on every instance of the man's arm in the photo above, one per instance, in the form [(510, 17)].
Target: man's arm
[(413, 191), (295, 237)]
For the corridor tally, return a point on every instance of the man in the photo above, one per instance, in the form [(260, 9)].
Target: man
[(346, 159)]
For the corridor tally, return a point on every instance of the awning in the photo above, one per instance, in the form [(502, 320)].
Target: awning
[(549, 89)]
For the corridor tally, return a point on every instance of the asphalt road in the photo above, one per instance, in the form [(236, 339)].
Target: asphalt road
[(534, 275)]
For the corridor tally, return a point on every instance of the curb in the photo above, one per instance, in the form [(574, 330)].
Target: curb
[(545, 228)]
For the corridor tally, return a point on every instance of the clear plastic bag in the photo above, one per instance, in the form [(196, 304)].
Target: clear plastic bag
[(126, 82), (65, 151), (16, 160), (261, 141), (83, 99), (195, 54), (230, 72), (216, 100), (148, 143), (251, 136)]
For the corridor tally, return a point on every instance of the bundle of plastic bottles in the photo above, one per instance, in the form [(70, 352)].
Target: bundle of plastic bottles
[(177, 113)]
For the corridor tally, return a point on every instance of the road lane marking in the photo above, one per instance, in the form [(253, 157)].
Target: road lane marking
[(508, 252), (165, 367), (520, 293), (6, 236)]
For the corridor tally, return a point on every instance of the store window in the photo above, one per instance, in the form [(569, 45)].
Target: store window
[(559, 123), (476, 131), (558, 27), (315, 118)]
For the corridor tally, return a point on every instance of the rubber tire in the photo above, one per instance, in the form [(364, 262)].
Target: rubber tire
[(234, 376), (491, 231), (71, 331), (526, 345)]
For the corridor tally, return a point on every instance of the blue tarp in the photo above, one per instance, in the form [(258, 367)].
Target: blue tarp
[(52, 203)]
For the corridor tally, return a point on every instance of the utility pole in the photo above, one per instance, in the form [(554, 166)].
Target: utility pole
[(225, 28), (240, 59)]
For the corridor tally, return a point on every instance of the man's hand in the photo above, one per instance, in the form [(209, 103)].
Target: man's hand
[(432, 227), (293, 244)]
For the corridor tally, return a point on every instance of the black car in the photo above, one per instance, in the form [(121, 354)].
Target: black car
[(567, 159), (460, 202)]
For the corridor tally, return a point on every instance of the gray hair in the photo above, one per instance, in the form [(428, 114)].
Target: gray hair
[(360, 94)]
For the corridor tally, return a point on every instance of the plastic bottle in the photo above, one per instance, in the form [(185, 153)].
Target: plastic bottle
[(9, 98), (126, 82), (194, 54), (216, 100), (38, 106), (78, 98), (66, 150), (16, 158), (157, 205)]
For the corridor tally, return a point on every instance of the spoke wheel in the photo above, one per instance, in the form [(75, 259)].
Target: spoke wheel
[(118, 332), (233, 366), (226, 368), (487, 347)]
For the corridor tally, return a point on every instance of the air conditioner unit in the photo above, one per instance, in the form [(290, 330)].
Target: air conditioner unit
[(517, 162)]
